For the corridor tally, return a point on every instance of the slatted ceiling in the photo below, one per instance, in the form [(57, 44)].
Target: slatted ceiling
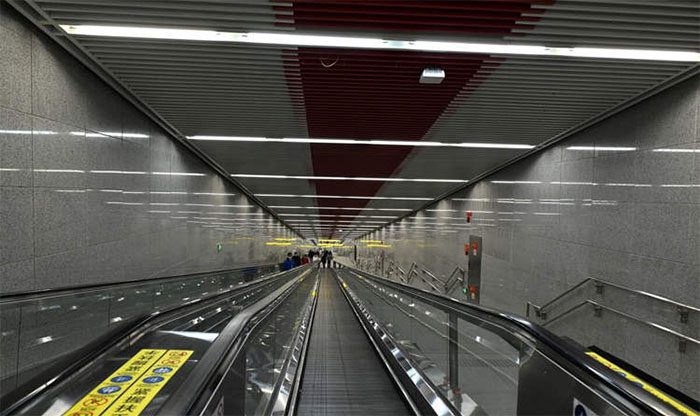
[(264, 90), (193, 82), (218, 15), (631, 24), (531, 98), (492, 18)]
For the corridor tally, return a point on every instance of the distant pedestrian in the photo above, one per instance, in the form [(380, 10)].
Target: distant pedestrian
[(324, 258), (305, 260), (330, 259), (288, 263), (311, 256)]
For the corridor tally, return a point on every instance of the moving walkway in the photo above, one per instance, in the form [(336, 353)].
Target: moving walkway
[(333, 341)]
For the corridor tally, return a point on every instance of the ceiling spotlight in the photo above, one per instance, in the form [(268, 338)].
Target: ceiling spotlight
[(432, 76)]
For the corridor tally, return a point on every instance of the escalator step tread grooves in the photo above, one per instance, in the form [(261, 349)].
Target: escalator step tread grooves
[(342, 373)]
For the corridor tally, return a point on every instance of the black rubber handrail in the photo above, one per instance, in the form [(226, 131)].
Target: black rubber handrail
[(192, 397), (634, 395), (46, 293), (131, 329)]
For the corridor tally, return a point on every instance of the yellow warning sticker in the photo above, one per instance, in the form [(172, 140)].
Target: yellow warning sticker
[(107, 392), (140, 394), (641, 383), (131, 388)]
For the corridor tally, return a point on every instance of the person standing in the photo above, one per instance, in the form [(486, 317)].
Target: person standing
[(288, 263), (296, 259), (324, 258), (305, 260)]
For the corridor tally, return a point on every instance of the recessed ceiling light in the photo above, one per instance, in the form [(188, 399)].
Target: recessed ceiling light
[(412, 143), (346, 178), (291, 39)]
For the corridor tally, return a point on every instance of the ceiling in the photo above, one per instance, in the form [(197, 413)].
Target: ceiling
[(255, 90)]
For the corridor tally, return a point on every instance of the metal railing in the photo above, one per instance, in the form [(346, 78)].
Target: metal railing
[(598, 308), (543, 312), (458, 276)]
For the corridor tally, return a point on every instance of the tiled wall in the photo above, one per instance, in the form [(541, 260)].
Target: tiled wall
[(630, 215), (91, 191)]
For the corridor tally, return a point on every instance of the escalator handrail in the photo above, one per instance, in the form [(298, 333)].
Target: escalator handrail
[(227, 345), (131, 329), (50, 293), (636, 396)]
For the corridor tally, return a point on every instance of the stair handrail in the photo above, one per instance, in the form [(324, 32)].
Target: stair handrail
[(541, 310), (458, 275), (418, 270), (598, 308)]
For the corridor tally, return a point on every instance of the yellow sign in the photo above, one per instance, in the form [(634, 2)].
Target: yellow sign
[(131, 388), (641, 383), (140, 394)]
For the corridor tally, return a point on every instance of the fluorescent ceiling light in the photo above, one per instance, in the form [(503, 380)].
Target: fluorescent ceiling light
[(412, 143), (339, 208), (384, 198), (179, 173), (518, 182), (289, 39), (677, 150), (603, 148), (340, 216), (345, 178)]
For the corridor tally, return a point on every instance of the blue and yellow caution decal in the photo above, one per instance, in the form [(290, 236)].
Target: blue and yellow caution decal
[(133, 386), (644, 385)]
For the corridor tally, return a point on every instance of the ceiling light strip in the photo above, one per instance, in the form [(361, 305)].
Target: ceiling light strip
[(383, 198), (413, 143), (288, 39), (346, 178)]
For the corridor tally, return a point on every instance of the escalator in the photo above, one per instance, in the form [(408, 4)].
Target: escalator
[(336, 341), (343, 374)]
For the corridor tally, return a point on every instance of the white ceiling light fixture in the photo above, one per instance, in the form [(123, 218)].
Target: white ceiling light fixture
[(410, 143), (676, 150), (289, 39), (603, 148), (338, 208), (383, 198), (346, 178)]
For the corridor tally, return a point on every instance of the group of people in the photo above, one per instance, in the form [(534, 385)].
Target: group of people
[(295, 260)]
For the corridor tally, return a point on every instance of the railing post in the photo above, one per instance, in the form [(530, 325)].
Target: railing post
[(682, 344), (453, 351), (683, 315), (599, 287)]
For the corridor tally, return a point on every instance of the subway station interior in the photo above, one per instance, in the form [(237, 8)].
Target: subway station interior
[(350, 207)]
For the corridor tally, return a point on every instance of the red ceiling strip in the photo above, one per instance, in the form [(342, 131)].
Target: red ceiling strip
[(375, 94)]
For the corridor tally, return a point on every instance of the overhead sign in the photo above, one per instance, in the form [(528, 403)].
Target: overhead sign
[(133, 386)]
